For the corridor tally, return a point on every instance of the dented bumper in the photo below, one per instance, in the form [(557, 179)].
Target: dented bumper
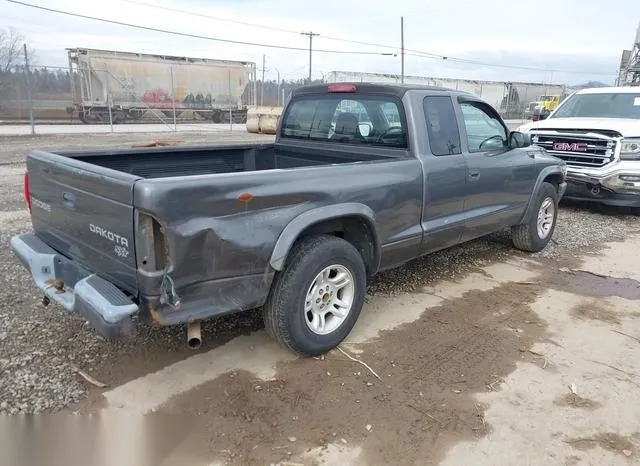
[(64, 281)]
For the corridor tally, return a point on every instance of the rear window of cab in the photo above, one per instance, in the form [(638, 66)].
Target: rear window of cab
[(346, 118)]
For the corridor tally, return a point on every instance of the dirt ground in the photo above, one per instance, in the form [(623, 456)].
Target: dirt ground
[(521, 362), (476, 355), (419, 407)]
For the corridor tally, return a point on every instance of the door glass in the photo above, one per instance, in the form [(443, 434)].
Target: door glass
[(484, 132), (442, 126)]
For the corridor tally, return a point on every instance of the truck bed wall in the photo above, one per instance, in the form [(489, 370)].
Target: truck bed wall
[(220, 248), (189, 161)]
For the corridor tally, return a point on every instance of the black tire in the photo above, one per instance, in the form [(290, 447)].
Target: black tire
[(284, 312), (525, 236)]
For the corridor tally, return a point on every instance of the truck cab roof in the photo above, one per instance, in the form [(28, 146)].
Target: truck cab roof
[(375, 88)]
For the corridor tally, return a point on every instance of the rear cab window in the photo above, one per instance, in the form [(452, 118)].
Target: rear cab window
[(346, 118)]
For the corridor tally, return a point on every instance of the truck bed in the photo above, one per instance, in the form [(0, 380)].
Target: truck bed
[(165, 162), (84, 202)]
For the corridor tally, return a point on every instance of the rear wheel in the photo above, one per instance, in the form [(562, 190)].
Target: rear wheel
[(316, 300), (535, 233)]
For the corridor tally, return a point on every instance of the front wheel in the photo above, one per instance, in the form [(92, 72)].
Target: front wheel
[(315, 301), (535, 233)]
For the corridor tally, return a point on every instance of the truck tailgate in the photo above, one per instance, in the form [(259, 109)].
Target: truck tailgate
[(85, 212)]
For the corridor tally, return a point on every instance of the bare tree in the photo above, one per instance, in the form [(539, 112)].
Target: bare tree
[(11, 49), (11, 60)]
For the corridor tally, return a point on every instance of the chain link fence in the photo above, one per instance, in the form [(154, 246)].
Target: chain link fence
[(176, 97), (111, 89)]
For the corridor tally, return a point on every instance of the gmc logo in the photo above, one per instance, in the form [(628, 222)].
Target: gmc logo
[(570, 146)]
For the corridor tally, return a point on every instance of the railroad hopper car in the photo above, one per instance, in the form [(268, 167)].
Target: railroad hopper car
[(132, 87)]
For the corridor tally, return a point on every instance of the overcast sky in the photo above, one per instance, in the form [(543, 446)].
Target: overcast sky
[(585, 37)]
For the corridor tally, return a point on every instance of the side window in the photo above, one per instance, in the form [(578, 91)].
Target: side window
[(484, 132), (391, 113), (442, 126)]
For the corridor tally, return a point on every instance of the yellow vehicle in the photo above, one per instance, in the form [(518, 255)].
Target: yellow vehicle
[(544, 106)]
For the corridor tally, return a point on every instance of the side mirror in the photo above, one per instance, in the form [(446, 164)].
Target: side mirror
[(493, 143), (518, 140)]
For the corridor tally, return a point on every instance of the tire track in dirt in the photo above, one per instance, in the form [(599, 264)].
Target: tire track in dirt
[(429, 369)]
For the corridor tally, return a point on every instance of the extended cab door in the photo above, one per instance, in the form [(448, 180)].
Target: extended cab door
[(499, 179), (444, 173)]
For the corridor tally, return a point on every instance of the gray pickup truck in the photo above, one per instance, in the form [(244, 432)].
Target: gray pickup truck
[(361, 178)]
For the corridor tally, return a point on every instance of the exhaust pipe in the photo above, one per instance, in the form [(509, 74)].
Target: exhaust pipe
[(194, 338)]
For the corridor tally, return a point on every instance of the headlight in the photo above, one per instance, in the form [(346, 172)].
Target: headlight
[(630, 149)]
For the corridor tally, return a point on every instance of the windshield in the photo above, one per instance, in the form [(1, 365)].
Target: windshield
[(351, 119), (605, 105)]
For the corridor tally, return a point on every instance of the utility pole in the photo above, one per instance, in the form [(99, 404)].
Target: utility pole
[(28, 77), (264, 61), (311, 36), (278, 96), (254, 76), (402, 49)]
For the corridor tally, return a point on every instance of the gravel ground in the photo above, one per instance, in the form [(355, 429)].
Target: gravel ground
[(579, 229), (42, 347)]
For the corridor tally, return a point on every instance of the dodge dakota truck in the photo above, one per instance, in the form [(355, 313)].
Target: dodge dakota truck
[(361, 178), (597, 133)]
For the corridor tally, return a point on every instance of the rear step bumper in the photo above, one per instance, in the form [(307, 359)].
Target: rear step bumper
[(107, 308)]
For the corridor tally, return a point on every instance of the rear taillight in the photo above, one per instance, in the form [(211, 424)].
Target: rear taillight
[(151, 245), (27, 193)]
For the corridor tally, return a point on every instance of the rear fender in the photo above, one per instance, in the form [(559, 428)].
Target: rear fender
[(314, 216)]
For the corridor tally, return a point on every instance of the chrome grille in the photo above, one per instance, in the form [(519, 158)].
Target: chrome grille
[(577, 150)]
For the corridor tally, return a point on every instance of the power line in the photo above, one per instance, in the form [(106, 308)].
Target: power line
[(250, 24), (498, 65), (202, 15), (262, 26), (184, 34), (415, 53), (411, 52)]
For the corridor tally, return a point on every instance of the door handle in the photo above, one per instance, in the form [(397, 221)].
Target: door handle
[(474, 175)]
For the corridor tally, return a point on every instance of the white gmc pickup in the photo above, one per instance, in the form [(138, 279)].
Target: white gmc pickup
[(597, 133)]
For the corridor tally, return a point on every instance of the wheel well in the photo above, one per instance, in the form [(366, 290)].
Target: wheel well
[(555, 179), (354, 229)]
